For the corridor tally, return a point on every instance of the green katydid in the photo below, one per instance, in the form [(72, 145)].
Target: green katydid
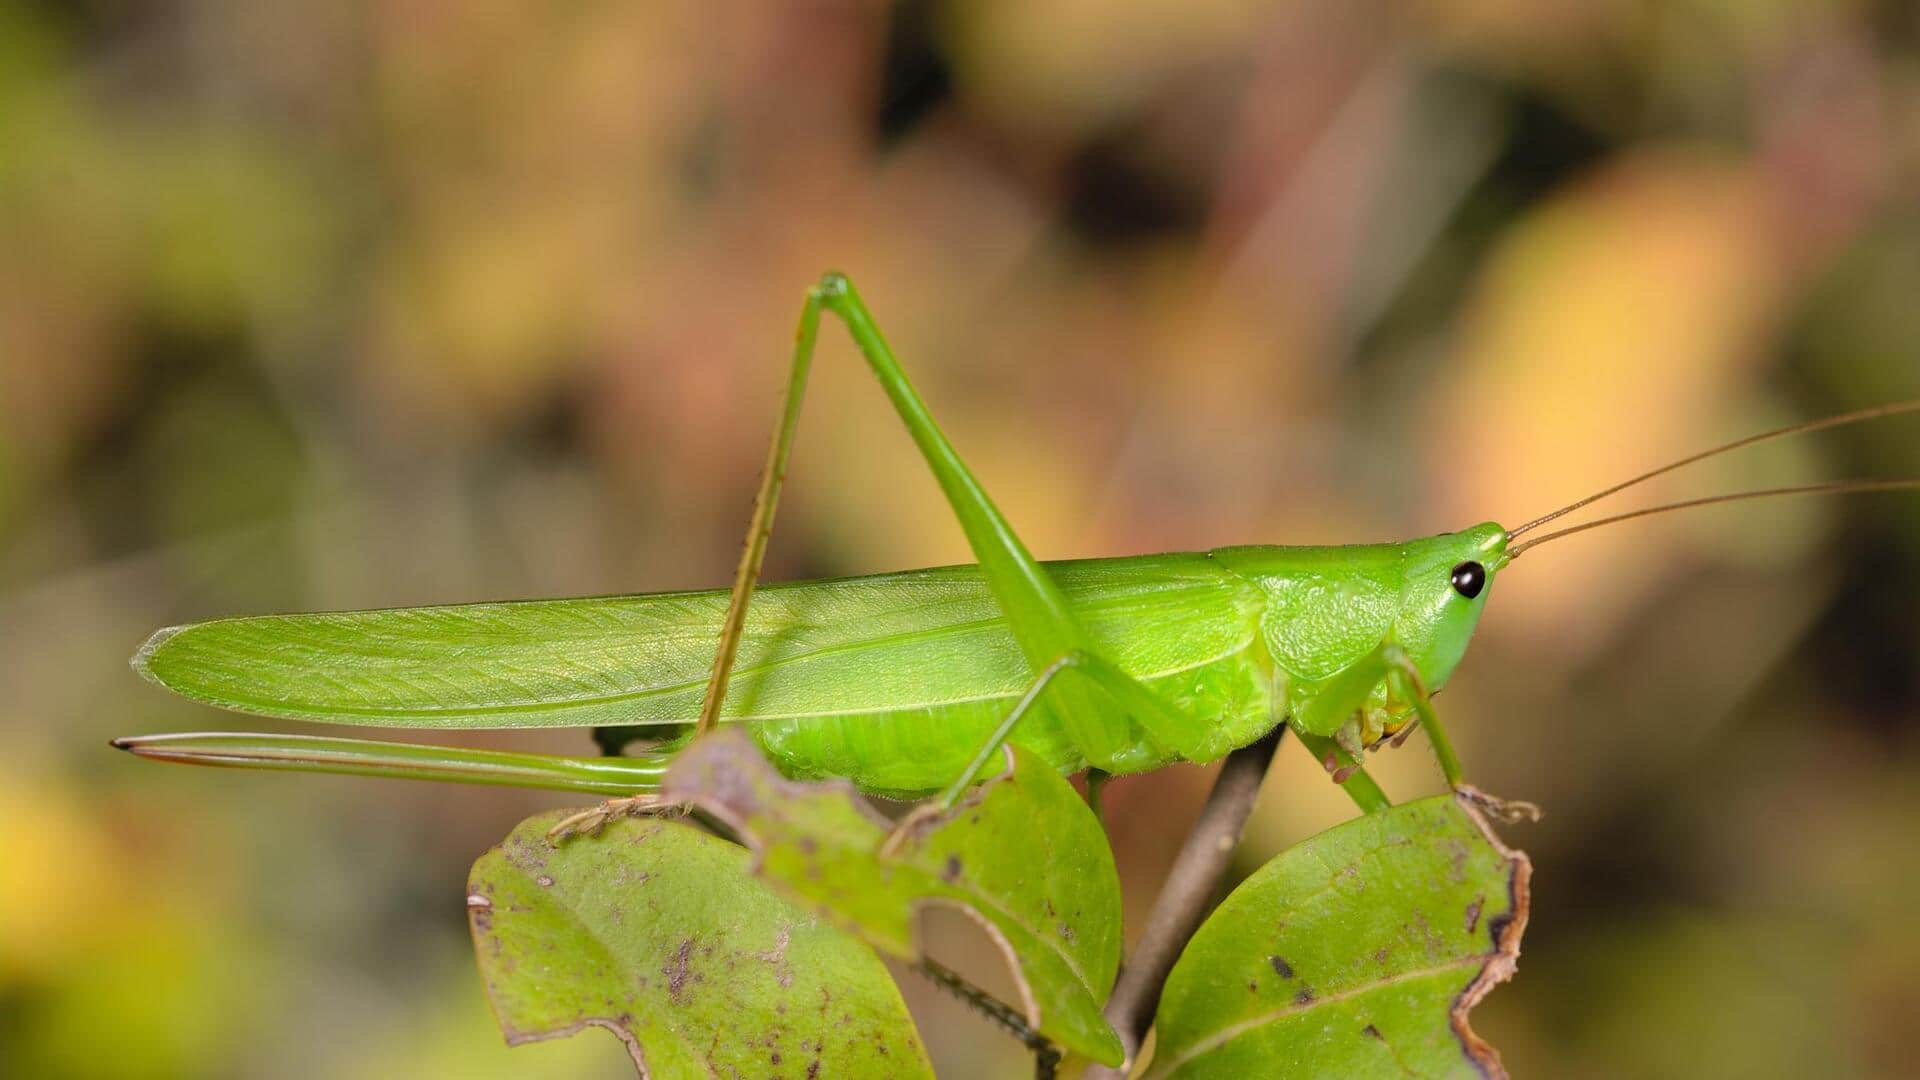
[(904, 683)]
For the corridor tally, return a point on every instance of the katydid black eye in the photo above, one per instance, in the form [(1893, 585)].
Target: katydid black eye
[(1469, 578)]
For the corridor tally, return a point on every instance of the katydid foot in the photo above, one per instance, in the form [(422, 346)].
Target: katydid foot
[(915, 820), (1509, 811), (590, 821)]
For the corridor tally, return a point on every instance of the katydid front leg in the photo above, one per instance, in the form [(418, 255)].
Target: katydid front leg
[(1337, 704), (1403, 678)]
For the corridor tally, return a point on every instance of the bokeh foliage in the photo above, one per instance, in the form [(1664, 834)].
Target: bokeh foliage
[(316, 306)]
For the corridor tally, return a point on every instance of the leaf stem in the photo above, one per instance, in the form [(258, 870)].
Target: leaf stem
[(1046, 1056)]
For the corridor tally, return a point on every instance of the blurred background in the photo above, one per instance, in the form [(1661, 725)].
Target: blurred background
[(338, 305)]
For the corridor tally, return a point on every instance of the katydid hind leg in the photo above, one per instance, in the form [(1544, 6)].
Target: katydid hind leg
[(1035, 609), (766, 500), (633, 779)]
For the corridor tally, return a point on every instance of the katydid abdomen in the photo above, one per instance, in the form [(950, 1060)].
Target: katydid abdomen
[(890, 680), (915, 706)]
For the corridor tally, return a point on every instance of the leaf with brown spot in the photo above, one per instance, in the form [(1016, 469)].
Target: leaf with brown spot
[(1396, 925), (1022, 854), (658, 932)]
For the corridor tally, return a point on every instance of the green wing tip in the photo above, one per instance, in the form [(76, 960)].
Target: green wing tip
[(143, 656)]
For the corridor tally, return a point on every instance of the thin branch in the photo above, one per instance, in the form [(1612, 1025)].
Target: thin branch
[(1046, 1056), (1191, 885)]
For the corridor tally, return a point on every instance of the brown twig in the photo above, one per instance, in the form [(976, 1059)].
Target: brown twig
[(1191, 884)]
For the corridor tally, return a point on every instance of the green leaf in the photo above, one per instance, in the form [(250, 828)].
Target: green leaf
[(1356, 953), (656, 931), (1021, 853)]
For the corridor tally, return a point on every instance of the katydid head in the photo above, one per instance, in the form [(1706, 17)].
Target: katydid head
[(1447, 577), (1445, 582)]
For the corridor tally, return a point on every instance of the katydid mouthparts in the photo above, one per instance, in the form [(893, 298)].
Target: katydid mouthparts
[(908, 683)]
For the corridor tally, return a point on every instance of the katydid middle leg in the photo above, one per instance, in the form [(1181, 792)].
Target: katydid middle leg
[(1125, 691), (1347, 771)]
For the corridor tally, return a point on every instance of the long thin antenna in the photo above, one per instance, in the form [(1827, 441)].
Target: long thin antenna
[(1854, 417), (1837, 487)]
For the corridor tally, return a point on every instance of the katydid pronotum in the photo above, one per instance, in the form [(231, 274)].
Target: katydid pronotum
[(906, 683)]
